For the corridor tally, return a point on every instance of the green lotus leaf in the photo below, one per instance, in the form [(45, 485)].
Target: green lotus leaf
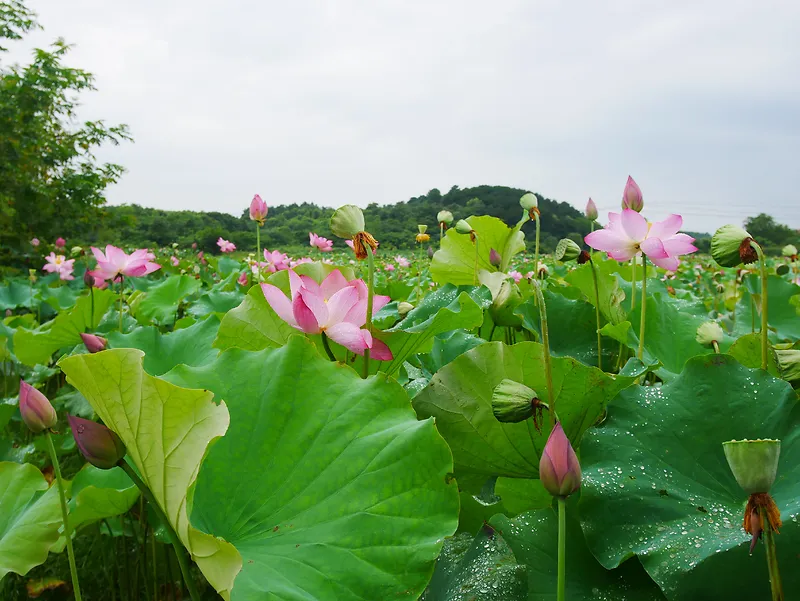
[(160, 303), (327, 484), (216, 301), (656, 482), (783, 314), (608, 285), (17, 294)]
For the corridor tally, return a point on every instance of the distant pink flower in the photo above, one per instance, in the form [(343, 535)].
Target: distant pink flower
[(59, 264), (60, 243), (174, 260), (336, 307), (35, 242), (276, 260), (194, 245), (115, 262), (516, 275), (389, 267), (402, 261), (296, 262), (225, 246), (628, 235), (242, 279), (591, 210), (258, 209), (319, 242)]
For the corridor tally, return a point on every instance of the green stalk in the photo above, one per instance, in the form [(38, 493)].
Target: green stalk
[(73, 569), (370, 287), (180, 552), (772, 559), (441, 233), (258, 252), (327, 346), (597, 314), (475, 271), (536, 249), (644, 306), (764, 330), (121, 286), (91, 319), (562, 549), (633, 283), (548, 369)]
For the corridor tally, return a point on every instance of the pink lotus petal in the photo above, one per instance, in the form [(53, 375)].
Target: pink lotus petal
[(625, 254), (279, 303), (667, 228), (333, 283), (310, 283), (304, 316), (634, 225), (609, 240), (679, 244), (380, 351), (668, 263), (349, 336), (295, 283), (654, 248), (378, 302), (316, 304), (340, 303)]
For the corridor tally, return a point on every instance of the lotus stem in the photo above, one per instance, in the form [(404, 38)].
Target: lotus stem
[(633, 283), (597, 314), (327, 346), (475, 271), (764, 329), (91, 315), (562, 549), (536, 248), (772, 558), (370, 287), (640, 355), (180, 552), (715, 344), (73, 569), (121, 286), (441, 233), (258, 252), (548, 369)]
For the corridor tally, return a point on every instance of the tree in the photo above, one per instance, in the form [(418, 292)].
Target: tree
[(769, 233), (49, 175)]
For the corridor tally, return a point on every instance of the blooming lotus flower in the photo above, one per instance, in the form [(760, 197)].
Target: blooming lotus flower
[(319, 242), (628, 235), (258, 210), (35, 242), (632, 196), (94, 344), (389, 267), (225, 246), (559, 469), (115, 262), (61, 243), (276, 260), (591, 210), (174, 260), (336, 307), (402, 261), (37, 412), (99, 445), (516, 275), (60, 265)]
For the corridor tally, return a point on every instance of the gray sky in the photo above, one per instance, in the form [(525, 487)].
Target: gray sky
[(345, 101)]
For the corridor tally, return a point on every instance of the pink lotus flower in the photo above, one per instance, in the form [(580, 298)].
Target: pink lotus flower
[(94, 344), (632, 196), (174, 260), (242, 281), (115, 262), (60, 243), (258, 209), (296, 262), (402, 261), (94, 281), (389, 267), (276, 260), (319, 242), (225, 246), (628, 235), (336, 307), (516, 275), (37, 412), (60, 265), (591, 210), (35, 242), (559, 469)]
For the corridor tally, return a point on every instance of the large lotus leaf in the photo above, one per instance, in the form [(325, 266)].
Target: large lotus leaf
[(36, 346), (216, 301), (454, 262), (17, 294), (479, 568), (783, 314), (166, 430), (160, 303), (191, 346), (656, 482), (30, 516), (327, 484), (533, 537), (60, 298), (608, 286), (460, 397), (747, 351), (521, 494)]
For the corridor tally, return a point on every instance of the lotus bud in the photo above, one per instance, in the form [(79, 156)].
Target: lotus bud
[(194, 245), (88, 279), (790, 250), (445, 217), (730, 245), (567, 250), (258, 210), (37, 412), (430, 252), (404, 307), (422, 228), (495, 258), (632, 196), (99, 445), (60, 242), (782, 269), (559, 469), (591, 210), (754, 463), (463, 227), (513, 402), (709, 333), (94, 344)]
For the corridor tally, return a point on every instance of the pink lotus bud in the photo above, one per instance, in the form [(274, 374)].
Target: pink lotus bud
[(34, 241), (37, 412), (632, 196), (88, 279), (495, 258), (100, 446), (60, 242), (559, 469), (94, 344), (591, 210), (258, 209), (194, 245)]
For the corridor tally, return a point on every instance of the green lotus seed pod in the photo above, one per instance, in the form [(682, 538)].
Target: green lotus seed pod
[(790, 250), (728, 244), (513, 402), (708, 333), (445, 217), (754, 463), (422, 228), (529, 201), (403, 308), (462, 227), (347, 221), (567, 250)]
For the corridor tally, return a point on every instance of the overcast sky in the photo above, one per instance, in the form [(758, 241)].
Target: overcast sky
[(359, 101)]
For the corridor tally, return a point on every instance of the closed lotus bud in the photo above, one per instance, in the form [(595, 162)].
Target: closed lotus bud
[(430, 252), (730, 246), (632, 196), (567, 250), (347, 221), (559, 470), (99, 445), (445, 217), (513, 402), (782, 269), (194, 245), (258, 210), (790, 250), (529, 201), (754, 463), (94, 344), (403, 308), (495, 258), (463, 227), (591, 210), (422, 228), (709, 333), (37, 412), (88, 279)]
